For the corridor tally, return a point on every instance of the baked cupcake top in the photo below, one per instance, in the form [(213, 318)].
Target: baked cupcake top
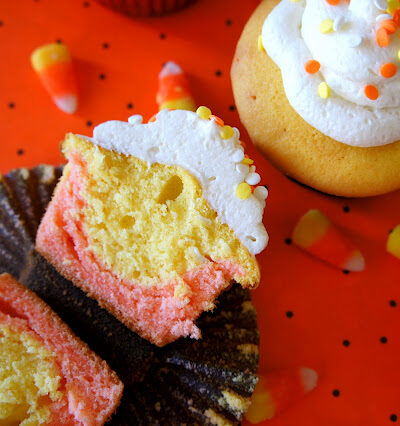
[(210, 151), (339, 61)]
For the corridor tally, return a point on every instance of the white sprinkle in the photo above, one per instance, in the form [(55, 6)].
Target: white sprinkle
[(252, 169), (353, 40), (236, 132), (261, 192), (383, 16), (135, 119), (338, 23), (381, 4), (253, 178), (243, 169), (238, 156)]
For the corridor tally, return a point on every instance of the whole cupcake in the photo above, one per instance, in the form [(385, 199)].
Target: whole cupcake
[(142, 8), (315, 82)]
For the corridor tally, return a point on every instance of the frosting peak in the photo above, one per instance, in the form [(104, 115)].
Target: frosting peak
[(361, 106)]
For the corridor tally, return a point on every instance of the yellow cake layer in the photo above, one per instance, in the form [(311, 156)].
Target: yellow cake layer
[(29, 379), (151, 223)]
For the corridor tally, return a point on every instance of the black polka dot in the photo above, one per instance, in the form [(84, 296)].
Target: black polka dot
[(1, 23), (346, 271), (89, 123), (58, 41), (346, 343), (383, 340), (392, 303), (86, 4), (393, 418), (218, 73), (232, 107), (106, 45), (163, 36), (11, 105), (102, 76), (390, 231), (346, 209), (20, 152), (228, 22), (336, 393), (288, 241), (289, 314), (129, 105)]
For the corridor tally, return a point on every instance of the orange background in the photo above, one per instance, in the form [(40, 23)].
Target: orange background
[(328, 306)]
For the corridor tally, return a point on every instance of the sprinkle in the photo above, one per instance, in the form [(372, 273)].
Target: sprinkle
[(324, 90), (338, 23), (388, 70), (371, 92), (398, 54), (326, 26), (353, 40), (243, 191), (382, 37), (238, 156), (253, 178), (247, 161), (312, 66), (260, 44), (226, 132), (393, 242), (217, 120), (396, 17), (203, 112), (383, 16), (243, 169), (261, 192), (381, 4), (333, 2), (389, 25)]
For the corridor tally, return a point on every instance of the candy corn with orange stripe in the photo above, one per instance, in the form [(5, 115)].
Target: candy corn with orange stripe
[(393, 242), (53, 64), (316, 234), (279, 390), (173, 89)]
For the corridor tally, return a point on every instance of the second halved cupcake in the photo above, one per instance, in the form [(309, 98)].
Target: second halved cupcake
[(155, 220)]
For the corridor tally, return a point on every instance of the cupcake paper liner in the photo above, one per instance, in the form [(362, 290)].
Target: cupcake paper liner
[(143, 8), (206, 381)]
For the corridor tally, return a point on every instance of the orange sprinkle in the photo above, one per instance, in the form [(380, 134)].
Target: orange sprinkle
[(396, 17), (382, 37), (153, 118), (371, 92), (217, 120), (389, 25), (388, 70), (312, 66), (333, 2)]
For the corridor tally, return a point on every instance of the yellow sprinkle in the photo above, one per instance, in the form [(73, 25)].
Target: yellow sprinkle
[(324, 90), (226, 132), (392, 6), (260, 44), (247, 161), (294, 1), (398, 54), (326, 26), (203, 112), (243, 190)]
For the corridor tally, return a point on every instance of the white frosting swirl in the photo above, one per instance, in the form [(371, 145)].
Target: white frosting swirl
[(350, 59), (182, 138)]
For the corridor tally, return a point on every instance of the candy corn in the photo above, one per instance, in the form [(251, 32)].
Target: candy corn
[(173, 89), (53, 65), (393, 242), (316, 234), (278, 390)]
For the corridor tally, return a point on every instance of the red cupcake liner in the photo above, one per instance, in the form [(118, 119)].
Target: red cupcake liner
[(143, 8)]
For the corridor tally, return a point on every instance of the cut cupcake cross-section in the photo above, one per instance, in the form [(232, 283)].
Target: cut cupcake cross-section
[(47, 375), (155, 220)]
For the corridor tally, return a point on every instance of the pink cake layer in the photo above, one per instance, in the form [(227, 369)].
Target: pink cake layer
[(153, 312), (92, 391)]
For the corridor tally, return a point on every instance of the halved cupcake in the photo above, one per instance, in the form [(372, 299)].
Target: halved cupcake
[(155, 220), (47, 375)]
